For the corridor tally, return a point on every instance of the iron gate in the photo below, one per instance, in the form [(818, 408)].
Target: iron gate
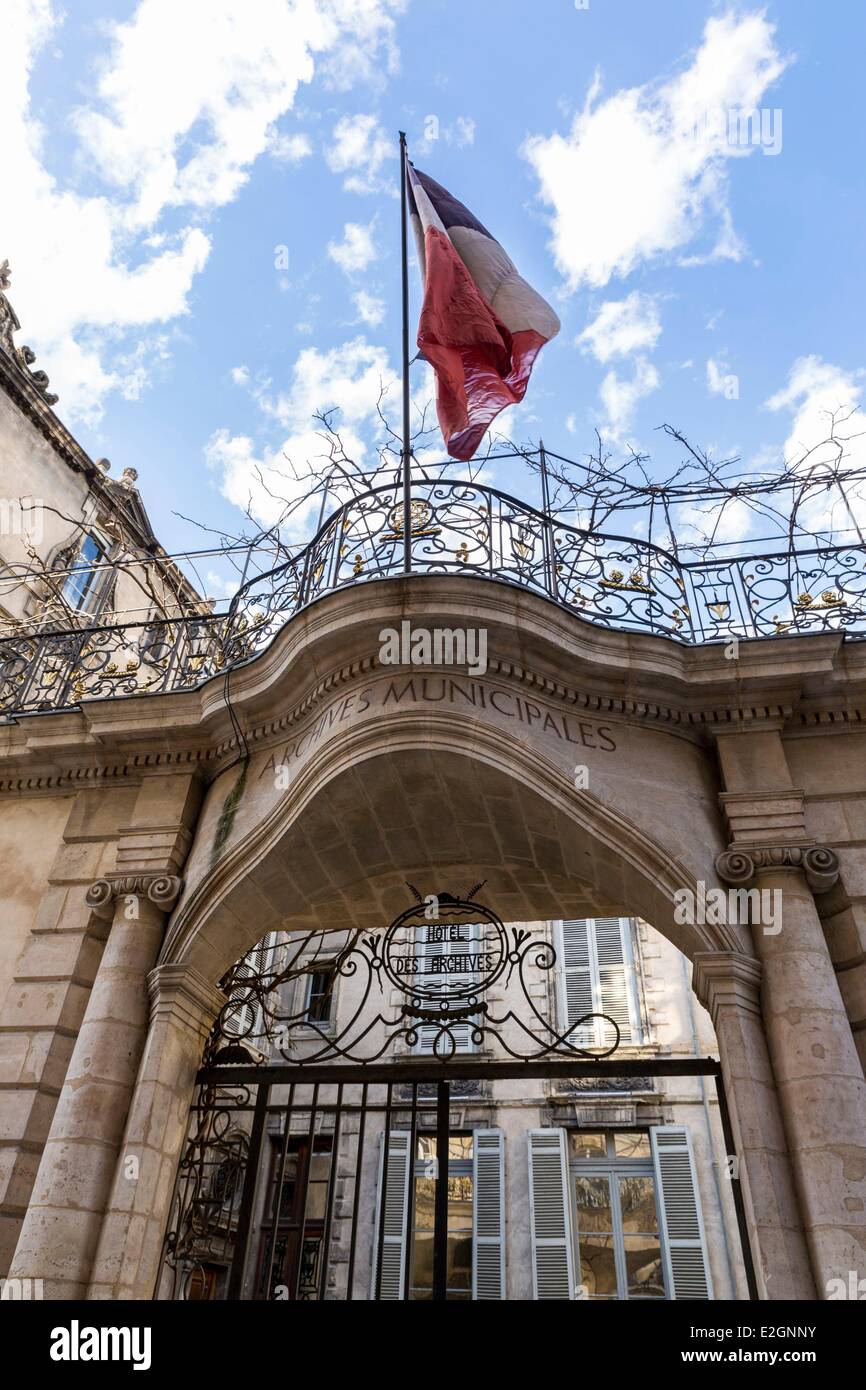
[(305, 1183)]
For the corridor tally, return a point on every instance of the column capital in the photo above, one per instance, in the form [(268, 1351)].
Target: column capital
[(722, 978), (161, 889), (738, 866)]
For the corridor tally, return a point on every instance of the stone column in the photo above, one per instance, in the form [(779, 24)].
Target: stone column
[(815, 1063), (728, 985), (183, 1007), (61, 1228), (845, 931)]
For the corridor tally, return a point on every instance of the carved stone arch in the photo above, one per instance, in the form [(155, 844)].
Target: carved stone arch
[(573, 850)]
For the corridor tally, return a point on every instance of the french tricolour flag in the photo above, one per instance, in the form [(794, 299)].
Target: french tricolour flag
[(482, 326)]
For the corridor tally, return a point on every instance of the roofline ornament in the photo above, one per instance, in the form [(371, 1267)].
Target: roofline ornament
[(24, 356)]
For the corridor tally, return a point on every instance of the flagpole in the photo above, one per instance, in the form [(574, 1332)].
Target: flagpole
[(407, 452)]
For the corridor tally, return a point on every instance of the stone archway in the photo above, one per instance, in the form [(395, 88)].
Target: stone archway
[(461, 778), (434, 800), (565, 854)]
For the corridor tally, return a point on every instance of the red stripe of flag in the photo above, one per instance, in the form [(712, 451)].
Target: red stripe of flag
[(481, 365)]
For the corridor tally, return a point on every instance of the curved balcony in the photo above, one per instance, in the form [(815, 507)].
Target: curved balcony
[(457, 528)]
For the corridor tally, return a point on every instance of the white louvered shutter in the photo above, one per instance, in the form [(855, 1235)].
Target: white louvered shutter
[(575, 976), (428, 951), (685, 1246), (617, 993), (488, 1214), (550, 1215), (596, 974), (247, 1020), (396, 1190)]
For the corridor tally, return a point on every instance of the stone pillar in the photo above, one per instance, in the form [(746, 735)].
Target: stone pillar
[(845, 932), (183, 1007), (815, 1062), (61, 1228), (728, 985)]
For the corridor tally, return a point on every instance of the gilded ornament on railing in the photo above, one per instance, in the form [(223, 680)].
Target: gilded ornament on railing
[(721, 610), (358, 566), (635, 583), (462, 553), (829, 599), (420, 516)]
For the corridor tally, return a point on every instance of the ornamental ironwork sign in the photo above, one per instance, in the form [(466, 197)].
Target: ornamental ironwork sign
[(446, 977)]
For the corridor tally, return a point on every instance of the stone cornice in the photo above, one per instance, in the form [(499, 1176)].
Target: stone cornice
[(532, 642)]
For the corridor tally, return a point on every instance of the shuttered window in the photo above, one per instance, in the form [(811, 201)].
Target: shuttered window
[(394, 1190), (550, 1216), (430, 952), (596, 974), (245, 1019), (488, 1215), (686, 1262)]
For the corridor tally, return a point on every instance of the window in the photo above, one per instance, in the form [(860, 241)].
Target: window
[(298, 1263), (616, 1216), (617, 1235), (319, 1007), (596, 974), (82, 585), (246, 1018), (441, 944), (207, 1283), (459, 1258), (475, 1216)]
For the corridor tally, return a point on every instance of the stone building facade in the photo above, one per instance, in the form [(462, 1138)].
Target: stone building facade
[(147, 842)]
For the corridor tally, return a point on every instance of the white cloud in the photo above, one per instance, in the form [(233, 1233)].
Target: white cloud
[(724, 523), (220, 586), (359, 149), (370, 308), (357, 249), (182, 133), (463, 132), (642, 172), (821, 397), (620, 396), (623, 326), (349, 377), (290, 149), (93, 275)]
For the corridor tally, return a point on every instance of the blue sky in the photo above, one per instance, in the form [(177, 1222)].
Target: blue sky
[(165, 159)]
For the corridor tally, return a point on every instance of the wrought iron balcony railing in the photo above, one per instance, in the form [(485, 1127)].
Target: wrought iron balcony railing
[(460, 529)]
